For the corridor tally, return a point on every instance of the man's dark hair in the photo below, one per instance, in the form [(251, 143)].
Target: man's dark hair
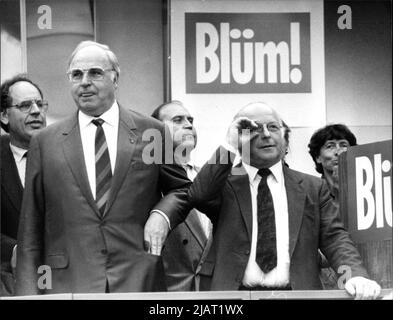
[(329, 132), (156, 112), (6, 100)]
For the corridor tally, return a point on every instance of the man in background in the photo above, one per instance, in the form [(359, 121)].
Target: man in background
[(188, 244), (23, 114)]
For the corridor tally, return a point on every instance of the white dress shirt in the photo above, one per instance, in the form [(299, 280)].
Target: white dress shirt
[(20, 161), (279, 276), (88, 132)]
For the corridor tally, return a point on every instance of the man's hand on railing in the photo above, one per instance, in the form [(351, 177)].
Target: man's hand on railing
[(362, 288)]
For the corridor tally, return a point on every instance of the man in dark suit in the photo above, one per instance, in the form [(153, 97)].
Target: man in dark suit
[(23, 113), (270, 220), (187, 245), (90, 193)]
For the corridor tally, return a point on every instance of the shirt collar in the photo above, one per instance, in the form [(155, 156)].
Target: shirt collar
[(276, 170), (190, 165), (111, 116), (17, 152), (237, 160)]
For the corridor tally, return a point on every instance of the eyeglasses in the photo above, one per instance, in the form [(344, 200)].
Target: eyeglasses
[(93, 74), (25, 106), (333, 145), (272, 127)]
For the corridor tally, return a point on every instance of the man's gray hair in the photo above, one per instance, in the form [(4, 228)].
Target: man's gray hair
[(111, 56)]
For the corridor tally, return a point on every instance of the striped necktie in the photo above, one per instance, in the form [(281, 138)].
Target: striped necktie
[(103, 167), (266, 255)]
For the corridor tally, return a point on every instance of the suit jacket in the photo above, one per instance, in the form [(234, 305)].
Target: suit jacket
[(60, 223), (224, 194), (11, 201), (184, 252)]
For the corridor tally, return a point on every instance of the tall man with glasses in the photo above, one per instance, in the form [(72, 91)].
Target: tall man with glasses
[(89, 194), (270, 220), (23, 114)]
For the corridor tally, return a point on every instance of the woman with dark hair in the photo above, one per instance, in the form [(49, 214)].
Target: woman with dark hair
[(326, 144)]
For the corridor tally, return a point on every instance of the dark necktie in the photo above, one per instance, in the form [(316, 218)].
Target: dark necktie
[(103, 167), (266, 255)]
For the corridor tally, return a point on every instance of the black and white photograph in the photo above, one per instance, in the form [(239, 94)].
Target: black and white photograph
[(198, 155)]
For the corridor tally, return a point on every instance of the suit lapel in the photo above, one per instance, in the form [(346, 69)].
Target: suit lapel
[(126, 142), (194, 225), (73, 152), (241, 185), (9, 175), (296, 199)]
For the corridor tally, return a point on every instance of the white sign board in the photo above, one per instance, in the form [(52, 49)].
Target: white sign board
[(226, 54)]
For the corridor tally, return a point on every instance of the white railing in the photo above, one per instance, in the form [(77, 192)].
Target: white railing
[(386, 294)]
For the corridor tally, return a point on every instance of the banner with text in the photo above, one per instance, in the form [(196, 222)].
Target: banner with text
[(367, 191), (226, 54), (238, 53)]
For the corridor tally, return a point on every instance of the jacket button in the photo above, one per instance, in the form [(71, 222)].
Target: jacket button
[(247, 252), (185, 241)]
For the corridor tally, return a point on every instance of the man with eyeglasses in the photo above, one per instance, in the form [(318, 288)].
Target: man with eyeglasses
[(269, 220), (89, 193), (23, 114)]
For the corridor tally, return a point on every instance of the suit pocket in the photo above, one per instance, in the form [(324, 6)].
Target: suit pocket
[(153, 256), (57, 261), (140, 165)]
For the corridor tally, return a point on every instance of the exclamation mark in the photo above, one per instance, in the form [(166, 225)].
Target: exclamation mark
[(296, 74)]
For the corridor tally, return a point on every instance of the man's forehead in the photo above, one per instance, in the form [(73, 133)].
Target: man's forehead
[(90, 56), (259, 111), (174, 110), (337, 140), (23, 90)]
